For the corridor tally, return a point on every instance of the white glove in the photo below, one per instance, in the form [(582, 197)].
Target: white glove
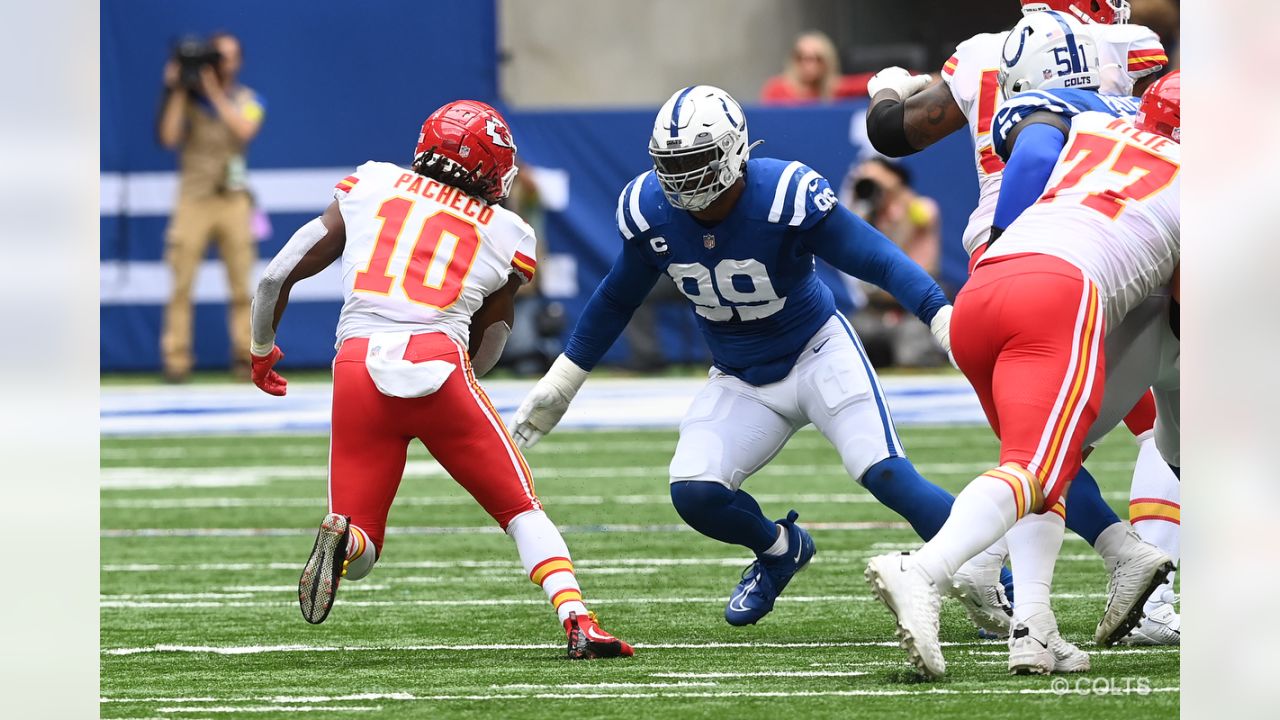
[(898, 80), (941, 328), (547, 401)]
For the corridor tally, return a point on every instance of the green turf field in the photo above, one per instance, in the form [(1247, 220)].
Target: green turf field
[(203, 540)]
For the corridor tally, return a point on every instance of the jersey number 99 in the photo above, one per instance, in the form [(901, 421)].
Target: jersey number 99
[(708, 290)]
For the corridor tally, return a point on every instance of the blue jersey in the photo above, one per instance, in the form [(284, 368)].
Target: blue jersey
[(1034, 154), (1066, 103), (750, 278)]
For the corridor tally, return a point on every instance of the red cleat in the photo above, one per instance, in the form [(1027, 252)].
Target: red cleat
[(588, 641)]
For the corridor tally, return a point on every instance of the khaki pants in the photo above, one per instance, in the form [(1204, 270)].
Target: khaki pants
[(225, 220)]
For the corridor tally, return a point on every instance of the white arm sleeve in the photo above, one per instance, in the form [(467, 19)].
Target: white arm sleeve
[(264, 300)]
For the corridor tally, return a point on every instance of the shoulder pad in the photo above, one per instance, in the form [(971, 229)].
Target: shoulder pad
[(1021, 106), (798, 196), (981, 50), (641, 206)]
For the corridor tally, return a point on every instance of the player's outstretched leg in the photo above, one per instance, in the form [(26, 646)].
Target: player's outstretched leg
[(546, 559), (782, 548)]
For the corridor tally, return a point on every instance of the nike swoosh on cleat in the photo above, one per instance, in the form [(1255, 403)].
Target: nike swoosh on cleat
[(735, 602), (595, 635), (799, 552)]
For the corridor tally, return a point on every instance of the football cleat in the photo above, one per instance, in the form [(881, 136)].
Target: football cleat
[(588, 641), (1037, 648), (765, 579), (319, 582), (1137, 573), (916, 606), (1161, 625), (978, 588)]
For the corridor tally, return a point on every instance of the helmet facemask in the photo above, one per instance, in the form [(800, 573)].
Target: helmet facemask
[(693, 177)]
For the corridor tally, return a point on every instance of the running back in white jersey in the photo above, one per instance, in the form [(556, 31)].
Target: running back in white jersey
[(972, 74), (1111, 208), (422, 256)]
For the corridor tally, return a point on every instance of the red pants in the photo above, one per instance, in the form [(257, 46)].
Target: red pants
[(457, 424), (1027, 332)]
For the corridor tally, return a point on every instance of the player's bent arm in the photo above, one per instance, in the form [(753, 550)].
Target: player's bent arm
[(1033, 146), (491, 326), (606, 315), (311, 249), (898, 127), (849, 244)]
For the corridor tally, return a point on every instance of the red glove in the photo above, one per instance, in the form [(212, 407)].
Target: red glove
[(264, 377)]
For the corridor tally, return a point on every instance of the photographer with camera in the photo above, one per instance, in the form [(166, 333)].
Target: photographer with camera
[(209, 118), (879, 191)]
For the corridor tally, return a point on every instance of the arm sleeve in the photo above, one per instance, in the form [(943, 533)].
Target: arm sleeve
[(854, 247), (1034, 156), (263, 311), (610, 307)]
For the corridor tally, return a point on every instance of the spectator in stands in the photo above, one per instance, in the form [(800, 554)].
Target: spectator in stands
[(879, 191), (210, 119), (812, 74)]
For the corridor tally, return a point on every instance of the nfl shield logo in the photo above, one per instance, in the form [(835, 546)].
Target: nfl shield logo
[(708, 241)]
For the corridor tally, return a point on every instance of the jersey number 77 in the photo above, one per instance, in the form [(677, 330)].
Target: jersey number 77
[(1115, 182)]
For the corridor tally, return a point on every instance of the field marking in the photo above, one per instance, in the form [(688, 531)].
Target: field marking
[(764, 673), (259, 649), (264, 698), (460, 530), (270, 708), (603, 685)]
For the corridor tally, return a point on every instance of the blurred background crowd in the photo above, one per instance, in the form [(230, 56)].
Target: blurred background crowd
[(225, 125)]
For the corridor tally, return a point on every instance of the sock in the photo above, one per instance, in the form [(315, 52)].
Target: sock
[(1034, 542), (899, 487), (361, 554), (546, 559), (1088, 514), (1112, 542), (1155, 504), (730, 516), (781, 545), (983, 512), (996, 554)]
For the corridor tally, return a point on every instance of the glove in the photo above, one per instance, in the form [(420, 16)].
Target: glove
[(264, 377), (546, 402), (898, 80), (941, 327)]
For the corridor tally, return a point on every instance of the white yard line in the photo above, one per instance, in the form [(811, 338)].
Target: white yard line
[(259, 649), (471, 530), (763, 673)]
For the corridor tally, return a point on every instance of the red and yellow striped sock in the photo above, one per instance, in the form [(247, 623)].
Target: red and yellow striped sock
[(555, 576)]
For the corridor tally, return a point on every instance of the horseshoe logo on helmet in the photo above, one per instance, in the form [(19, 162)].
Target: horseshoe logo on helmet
[(1022, 43)]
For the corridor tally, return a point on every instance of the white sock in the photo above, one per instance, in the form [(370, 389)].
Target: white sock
[(781, 545), (1112, 542), (546, 560), (1034, 542), (1155, 506), (361, 554), (983, 512)]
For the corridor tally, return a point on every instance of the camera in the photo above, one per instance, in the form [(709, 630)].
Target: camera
[(192, 54), (866, 197)]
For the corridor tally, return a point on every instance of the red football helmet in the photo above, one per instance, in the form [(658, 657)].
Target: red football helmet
[(1103, 12), (1161, 109), (471, 143)]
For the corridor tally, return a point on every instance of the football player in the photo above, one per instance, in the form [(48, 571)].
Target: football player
[(910, 113), (423, 250), (1028, 334), (739, 237)]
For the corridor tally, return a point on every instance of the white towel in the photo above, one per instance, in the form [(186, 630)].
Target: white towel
[(397, 377)]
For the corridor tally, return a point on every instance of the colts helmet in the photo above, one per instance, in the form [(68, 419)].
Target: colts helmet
[(1161, 109), (474, 145), (1048, 50), (1103, 12), (699, 146)]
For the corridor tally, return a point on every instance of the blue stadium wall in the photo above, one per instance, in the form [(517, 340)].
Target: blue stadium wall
[(347, 83)]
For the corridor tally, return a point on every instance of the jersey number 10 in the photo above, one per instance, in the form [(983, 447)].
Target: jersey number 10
[(442, 256)]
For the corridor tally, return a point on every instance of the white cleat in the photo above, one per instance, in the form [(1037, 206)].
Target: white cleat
[(916, 606), (1037, 648), (978, 588), (1140, 569), (1161, 625)]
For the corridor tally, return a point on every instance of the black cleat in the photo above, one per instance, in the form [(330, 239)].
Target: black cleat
[(319, 582)]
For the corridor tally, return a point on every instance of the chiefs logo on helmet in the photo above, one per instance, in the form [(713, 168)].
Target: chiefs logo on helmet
[(467, 144)]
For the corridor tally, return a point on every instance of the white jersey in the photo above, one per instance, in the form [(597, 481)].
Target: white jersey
[(422, 256), (1111, 208), (972, 74)]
